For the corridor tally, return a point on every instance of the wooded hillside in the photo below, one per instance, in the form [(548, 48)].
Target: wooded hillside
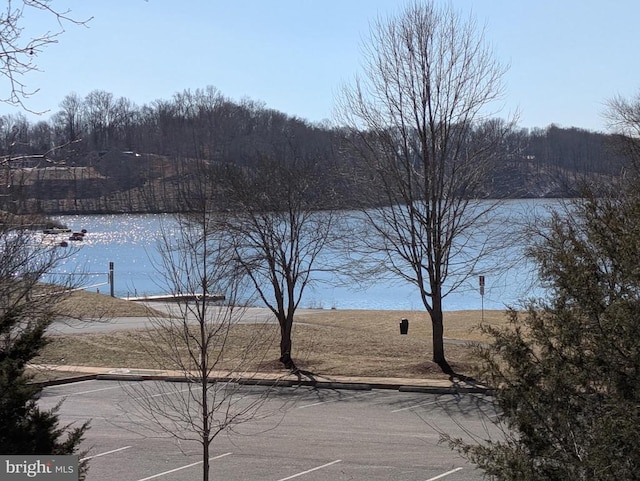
[(104, 154)]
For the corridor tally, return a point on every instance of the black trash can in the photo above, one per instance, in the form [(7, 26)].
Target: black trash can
[(404, 326)]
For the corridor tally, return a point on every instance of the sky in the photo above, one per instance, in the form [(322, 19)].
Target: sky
[(566, 57)]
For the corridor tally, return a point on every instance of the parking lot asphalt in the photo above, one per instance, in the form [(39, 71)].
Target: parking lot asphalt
[(332, 428), (298, 432)]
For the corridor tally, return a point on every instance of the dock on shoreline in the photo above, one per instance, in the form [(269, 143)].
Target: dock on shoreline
[(176, 298)]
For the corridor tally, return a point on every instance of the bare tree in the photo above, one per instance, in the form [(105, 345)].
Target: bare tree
[(69, 118), (419, 124), (17, 53), (199, 343), (104, 115), (281, 220), (623, 116)]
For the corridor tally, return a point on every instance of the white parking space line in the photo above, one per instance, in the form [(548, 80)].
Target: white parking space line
[(86, 392), (104, 454), (167, 393), (335, 400), (440, 476), (307, 471), (182, 467), (413, 406)]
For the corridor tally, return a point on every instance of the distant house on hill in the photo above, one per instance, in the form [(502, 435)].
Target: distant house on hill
[(27, 162), (112, 154)]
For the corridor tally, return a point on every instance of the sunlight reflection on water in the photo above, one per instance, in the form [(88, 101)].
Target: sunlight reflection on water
[(130, 242)]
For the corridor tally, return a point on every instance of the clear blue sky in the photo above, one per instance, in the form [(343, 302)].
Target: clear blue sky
[(567, 57)]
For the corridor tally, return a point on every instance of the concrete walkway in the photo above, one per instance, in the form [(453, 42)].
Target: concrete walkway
[(250, 315)]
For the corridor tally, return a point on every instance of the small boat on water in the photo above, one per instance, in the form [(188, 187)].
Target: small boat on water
[(56, 230), (78, 236), (75, 236)]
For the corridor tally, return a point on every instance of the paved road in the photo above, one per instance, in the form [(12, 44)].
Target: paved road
[(249, 315), (323, 435)]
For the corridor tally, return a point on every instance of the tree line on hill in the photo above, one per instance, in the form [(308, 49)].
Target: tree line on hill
[(101, 153)]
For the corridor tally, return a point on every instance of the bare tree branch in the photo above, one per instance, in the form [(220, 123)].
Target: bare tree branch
[(193, 344), (17, 53)]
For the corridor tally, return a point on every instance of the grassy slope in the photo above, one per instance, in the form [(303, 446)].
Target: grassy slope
[(326, 342)]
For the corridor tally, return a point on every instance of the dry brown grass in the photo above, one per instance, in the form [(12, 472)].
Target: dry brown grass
[(326, 342), (87, 305), (369, 343)]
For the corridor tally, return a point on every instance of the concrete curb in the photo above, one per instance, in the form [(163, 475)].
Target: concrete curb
[(445, 390), (69, 374), (119, 377), (351, 386), (65, 380), (337, 385)]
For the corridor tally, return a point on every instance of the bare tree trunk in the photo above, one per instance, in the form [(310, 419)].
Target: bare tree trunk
[(286, 326), (205, 460), (437, 327), (204, 374)]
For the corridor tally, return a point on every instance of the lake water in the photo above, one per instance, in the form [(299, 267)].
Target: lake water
[(130, 242)]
